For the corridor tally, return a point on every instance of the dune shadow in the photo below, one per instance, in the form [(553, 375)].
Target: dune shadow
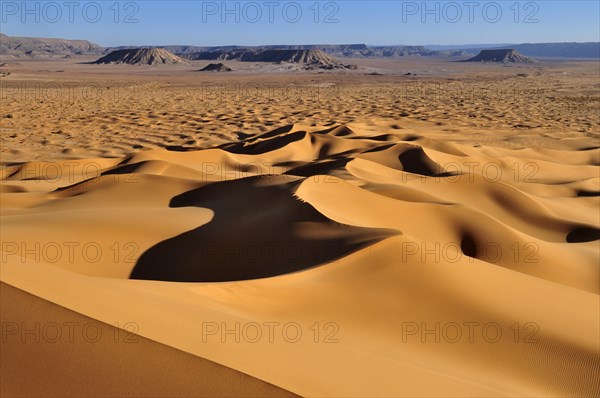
[(381, 138), (336, 130), (179, 148), (589, 148), (260, 147), (274, 133), (414, 160), (379, 148), (587, 194), (468, 245), (583, 234), (317, 168), (259, 229)]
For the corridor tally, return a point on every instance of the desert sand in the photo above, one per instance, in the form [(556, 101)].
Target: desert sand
[(123, 366), (360, 233)]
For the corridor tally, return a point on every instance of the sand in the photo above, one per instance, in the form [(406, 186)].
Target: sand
[(371, 235), (105, 361)]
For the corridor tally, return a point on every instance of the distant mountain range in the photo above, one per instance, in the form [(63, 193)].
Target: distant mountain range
[(550, 50), (336, 50), (19, 47), (566, 50), (438, 47), (35, 47)]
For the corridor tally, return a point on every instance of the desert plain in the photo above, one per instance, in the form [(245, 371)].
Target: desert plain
[(414, 227)]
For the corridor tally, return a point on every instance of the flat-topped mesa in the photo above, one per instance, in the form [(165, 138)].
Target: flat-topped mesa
[(140, 56), (504, 55), (311, 59), (296, 56)]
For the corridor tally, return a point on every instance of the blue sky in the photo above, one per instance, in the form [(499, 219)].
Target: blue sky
[(112, 23)]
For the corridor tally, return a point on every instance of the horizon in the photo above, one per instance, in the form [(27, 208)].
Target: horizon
[(210, 23), (456, 46)]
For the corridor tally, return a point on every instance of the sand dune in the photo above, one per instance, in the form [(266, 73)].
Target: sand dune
[(374, 234), (79, 368)]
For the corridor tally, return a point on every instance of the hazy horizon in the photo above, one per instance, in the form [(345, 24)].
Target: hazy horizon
[(430, 45)]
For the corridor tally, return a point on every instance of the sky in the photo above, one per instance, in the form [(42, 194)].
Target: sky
[(114, 23)]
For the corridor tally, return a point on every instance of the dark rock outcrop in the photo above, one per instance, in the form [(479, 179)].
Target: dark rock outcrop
[(216, 68)]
